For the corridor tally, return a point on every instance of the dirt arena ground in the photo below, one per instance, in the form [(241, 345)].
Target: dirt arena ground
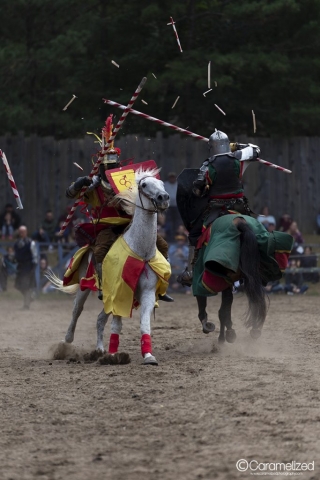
[(192, 417)]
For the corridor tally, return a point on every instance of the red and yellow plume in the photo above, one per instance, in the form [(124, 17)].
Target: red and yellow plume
[(106, 134), (107, 129)]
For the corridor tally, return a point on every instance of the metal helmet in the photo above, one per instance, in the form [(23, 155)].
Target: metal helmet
[(218, 143)]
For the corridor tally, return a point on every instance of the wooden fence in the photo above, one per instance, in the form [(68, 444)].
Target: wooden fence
[(43, 168)]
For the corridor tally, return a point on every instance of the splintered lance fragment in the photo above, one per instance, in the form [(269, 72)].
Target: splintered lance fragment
[(154, 76), (254, 122), (115, 64), (65, 108), (144, 102), (219, 109), (175, 103), (74, 163), (209, 75), (204, 94), (176, 33)]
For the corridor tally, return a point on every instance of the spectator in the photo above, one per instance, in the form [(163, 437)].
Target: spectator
[(16, 221), (173, 218), (45, 285), (161, 221), (26, 256), (7, 228), (274, 287), (40, 236), (178, 257), (309, 260), (61, 237), (265, 218), (49, 225), (8, 267), (294, 280), (271, 227), (298, 239), (284, 222)]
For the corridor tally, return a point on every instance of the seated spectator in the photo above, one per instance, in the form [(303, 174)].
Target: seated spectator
[(178, 257), (309, 260), (49, 225), (62, 237), (284, 222), (172, 215), (7, 227), (294, 280), (271, 227), (274, 287), (161, 220), (181, 230), (265, 218), (45, 285), (15, 218), (40, 236), (298, 239), (8, 267)]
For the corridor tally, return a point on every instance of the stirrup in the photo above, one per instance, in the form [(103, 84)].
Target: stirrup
[(165, 298), (185, 278)]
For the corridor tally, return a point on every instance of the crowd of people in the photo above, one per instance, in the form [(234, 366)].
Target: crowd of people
[(170, 227)]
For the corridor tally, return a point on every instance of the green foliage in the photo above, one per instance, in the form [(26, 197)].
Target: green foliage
[(264, 56)]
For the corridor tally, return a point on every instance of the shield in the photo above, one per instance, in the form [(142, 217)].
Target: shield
[(190, 207), (124, 177)]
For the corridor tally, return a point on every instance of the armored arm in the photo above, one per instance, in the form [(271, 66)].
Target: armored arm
[(247, 152), (73, 190), (199, 185)]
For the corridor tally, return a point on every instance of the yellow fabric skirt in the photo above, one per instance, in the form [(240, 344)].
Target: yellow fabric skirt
[(121, 270)]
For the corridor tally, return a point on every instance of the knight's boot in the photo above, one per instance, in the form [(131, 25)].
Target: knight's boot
[(98, 267), (185, 278), (165, 298)]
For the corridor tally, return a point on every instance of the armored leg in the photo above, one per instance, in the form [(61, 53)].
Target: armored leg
[(162, 246)]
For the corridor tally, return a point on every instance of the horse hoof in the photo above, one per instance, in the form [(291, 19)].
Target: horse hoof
[(69, 338), (150, 360), (231, 335), (221, 340), (255, 333), (208, 327)]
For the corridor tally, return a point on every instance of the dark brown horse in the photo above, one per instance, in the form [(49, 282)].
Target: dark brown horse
[(249, 271)]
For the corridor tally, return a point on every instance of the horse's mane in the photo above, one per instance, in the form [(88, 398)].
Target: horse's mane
[(131, 194)]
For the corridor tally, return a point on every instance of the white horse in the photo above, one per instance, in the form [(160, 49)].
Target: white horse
[(144, 200)]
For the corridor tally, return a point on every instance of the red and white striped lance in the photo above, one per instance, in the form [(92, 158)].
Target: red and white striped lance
[(96, 166), (272, 165), (183, 130), (156, 120), (11, 180), (176, 33)]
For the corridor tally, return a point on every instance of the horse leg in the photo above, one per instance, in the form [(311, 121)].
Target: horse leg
[(207, 327), (145, 294), (225, 317), (116, 327), (79, 302), (101, 323)]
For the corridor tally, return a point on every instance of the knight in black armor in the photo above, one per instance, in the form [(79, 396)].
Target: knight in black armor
[(219, 180)]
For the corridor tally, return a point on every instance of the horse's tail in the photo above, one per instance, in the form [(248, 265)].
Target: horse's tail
[(250, 268), (58, 284)]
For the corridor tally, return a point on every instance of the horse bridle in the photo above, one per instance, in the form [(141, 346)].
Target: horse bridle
[(152, 199)]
